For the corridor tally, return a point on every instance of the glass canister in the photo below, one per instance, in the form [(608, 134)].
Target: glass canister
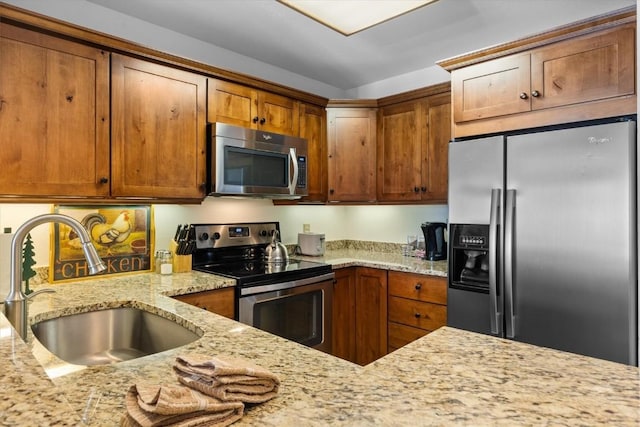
[(164, 262)]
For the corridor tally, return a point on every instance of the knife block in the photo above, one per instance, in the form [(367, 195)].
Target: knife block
[(181, 263)]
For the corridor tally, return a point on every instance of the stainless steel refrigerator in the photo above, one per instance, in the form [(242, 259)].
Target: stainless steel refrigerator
[(542, 238)]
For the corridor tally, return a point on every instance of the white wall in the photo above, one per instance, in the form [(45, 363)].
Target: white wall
[(386, 223)]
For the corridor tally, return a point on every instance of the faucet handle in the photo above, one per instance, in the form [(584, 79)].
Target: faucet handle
[(40, 291)]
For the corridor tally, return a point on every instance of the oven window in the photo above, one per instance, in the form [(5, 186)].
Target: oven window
[(295, 317), (255, 168)]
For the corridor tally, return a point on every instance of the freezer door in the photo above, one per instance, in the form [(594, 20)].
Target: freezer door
[(570, 252), (475, 168), (476, 181)]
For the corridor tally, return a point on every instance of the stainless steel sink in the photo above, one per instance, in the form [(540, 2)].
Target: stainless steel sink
[(110, 335)]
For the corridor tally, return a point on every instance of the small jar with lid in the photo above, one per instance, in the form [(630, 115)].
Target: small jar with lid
[(164, 262)]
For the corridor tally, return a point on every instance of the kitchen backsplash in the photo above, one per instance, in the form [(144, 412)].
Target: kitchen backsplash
[(376, 224)]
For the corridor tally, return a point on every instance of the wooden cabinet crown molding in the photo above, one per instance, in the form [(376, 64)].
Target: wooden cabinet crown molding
[(35, 21), (575, 29), (352, 103), (412, 95)]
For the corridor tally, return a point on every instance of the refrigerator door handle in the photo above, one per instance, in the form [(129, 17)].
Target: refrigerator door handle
[(510, 320), (494, 306)]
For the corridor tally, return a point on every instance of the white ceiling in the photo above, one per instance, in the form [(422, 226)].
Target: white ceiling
[(273, 33)]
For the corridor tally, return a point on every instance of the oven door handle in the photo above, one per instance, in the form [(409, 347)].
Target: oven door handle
[(285, 285)]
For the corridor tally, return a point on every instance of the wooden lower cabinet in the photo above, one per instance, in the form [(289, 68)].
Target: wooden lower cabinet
[(219, 301), (359, 314), (371, 314), (343, 321), (417, 305)]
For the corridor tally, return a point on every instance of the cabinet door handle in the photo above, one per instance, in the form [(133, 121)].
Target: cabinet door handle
[(423, 189), (524, 96), (331, 190), (418, 286), (417, 315), (255, 119), (263, 121), (416, 189), (535, 94), (104, 180)]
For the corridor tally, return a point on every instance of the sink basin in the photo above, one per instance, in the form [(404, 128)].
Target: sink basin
[(111, 335)]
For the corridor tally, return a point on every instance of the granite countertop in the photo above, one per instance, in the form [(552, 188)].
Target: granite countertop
[(447, 377)]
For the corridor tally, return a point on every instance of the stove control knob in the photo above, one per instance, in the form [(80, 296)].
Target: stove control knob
[(204, 236), (215, 236), (263, 233)]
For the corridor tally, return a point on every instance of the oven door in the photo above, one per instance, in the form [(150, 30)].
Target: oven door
[(298, 310)]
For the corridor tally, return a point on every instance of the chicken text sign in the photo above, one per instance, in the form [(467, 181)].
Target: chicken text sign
[(122, 235)]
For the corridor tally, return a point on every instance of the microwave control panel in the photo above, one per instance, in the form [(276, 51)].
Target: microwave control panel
[(302, 172)]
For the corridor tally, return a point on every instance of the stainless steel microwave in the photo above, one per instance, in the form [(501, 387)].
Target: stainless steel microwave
[(254, 163)]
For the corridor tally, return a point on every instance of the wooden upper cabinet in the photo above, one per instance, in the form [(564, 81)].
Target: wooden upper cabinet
[(54, 116), (158, 130), (579, 72), (400, 145), (412, 158), (492, 88), (231, 103), (588, 68), (352, 154), (435, 166), (313, 125), (247, 107)]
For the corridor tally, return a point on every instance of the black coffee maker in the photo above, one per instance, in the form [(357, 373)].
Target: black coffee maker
[(434, 240)]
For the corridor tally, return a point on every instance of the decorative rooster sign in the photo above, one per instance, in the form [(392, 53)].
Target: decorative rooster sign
[(104, 234), (121, 234)]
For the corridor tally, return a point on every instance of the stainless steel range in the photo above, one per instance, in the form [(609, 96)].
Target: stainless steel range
[(290, 299)]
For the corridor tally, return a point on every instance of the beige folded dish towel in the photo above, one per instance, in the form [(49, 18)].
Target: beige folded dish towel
[(176, 405), (227, 378)]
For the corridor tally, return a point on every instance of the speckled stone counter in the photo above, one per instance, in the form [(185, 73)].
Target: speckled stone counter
[(448, 377), (362, 257)]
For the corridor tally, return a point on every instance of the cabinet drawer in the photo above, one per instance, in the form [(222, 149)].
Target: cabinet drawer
[(219, 301), (419, 314), (401, 335), (418, 286)]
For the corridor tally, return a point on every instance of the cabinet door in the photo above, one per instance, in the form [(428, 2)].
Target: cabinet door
[(54, 116), (492, 88), (232, 104), (435, 150), (278, 114), (219, 301), (588, 68), (399, 157), (158, 130), (313, 125), (371, 314), (352, 154), (344, 314)]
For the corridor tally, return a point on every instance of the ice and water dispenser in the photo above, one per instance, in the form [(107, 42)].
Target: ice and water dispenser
[(469, 262)]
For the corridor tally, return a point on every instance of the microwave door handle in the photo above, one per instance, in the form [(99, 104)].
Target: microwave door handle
[(294, 179)]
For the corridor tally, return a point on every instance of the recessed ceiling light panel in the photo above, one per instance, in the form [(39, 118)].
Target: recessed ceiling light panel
[(351, 16)]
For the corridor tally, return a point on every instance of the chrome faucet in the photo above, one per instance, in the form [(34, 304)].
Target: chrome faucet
[(15, 305)]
